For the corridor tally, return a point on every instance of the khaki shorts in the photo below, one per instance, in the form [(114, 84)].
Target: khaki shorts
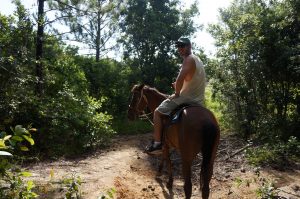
[(168, 105)]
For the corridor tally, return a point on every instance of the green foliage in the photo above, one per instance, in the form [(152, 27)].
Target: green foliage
[(18, 189), (125, 127), (110, 79), (267, 190), (257, 74), (72, 187), (12, 185), (276, 153), (109, 194), (238, 181), (69, 120), (72, 121), (16, 141), (150, 28), (16, 52), (102, 17), (215, 106)]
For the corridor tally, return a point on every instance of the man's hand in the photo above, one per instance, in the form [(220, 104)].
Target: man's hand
[(174, 84)]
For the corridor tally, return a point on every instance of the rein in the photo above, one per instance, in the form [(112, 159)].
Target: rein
[(135, 109), (145, 115)]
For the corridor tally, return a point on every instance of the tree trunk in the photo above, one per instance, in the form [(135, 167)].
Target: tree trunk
[(39, 48), (98, 35)]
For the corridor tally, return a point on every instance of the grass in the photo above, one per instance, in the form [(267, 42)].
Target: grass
[(124, 127)]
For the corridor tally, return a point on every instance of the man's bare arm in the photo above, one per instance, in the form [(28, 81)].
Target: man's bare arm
[(186, 73)]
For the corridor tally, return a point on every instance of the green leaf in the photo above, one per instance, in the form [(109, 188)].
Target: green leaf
[(31, 185), (2, 144), (26, 174), (24, 148), (2, 134), (6, 137), (29, 139), (5, 153), (12, 142), (34, 195), (17, 138), (19, 130)]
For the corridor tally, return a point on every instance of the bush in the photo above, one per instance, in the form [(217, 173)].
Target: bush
[(12, 185), (216, 106), (276, 153), (70, 125), (124, 127), (68, 119)]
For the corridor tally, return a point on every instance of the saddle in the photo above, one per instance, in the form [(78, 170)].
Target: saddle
[(177, 112)]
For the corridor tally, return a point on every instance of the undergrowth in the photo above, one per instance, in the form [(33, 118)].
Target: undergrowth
[(125, 127), (275, 153)]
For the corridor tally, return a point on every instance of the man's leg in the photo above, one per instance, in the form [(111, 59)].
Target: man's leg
[(164, 109), (155, 148), (157, 119)]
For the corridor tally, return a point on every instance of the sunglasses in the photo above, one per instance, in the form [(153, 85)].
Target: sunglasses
[(180, 45)]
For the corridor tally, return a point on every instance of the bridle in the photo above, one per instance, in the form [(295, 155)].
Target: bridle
[(141, 113), (135, 108)]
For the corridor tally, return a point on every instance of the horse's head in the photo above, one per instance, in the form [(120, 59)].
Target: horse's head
[(138, 102)]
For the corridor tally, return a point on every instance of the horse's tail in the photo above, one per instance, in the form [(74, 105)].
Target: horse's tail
[(211, 136)]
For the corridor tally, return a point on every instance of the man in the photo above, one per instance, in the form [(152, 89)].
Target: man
[(189, 88)]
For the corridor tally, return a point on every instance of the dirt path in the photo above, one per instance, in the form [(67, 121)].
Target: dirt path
[(133, 174)]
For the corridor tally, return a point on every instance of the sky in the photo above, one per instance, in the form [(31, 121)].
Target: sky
[(208, 14)]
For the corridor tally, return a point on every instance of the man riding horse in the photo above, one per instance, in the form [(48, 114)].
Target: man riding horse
[(189, 89)]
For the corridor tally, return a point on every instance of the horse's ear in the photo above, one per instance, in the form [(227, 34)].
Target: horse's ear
[(146, 89), (141, 86)]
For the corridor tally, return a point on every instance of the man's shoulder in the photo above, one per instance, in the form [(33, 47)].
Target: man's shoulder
[(190, 59), (190, 56), (196, 59)]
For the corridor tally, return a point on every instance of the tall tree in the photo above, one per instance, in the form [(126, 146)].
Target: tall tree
[(258, 42), (91, 22), (17, 61), (150, 28), (39, 47)]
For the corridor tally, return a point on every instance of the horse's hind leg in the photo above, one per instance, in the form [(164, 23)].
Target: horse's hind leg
[(205, 177), (166, 157), (209, 154), (186, 170)]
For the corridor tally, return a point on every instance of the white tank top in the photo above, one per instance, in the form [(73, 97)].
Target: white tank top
[(194, 89)]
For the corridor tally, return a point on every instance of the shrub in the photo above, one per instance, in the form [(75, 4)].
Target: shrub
[(12, 185), (275, 153)]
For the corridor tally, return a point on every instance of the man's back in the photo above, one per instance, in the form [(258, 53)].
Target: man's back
[(195, 87)]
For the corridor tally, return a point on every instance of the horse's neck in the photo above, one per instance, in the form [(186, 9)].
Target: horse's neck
[(155, 99)]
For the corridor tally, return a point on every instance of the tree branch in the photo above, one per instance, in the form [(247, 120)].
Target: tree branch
[(73, 7), (238, 151)]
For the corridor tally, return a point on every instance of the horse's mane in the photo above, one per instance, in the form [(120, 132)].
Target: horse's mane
[(134, 87), (148, 88)]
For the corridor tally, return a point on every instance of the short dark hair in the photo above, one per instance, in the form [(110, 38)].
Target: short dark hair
[(182, 41)]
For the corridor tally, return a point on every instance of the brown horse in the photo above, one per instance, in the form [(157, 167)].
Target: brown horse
[(196, 131)]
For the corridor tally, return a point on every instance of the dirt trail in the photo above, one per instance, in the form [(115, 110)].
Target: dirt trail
[(133, 174)]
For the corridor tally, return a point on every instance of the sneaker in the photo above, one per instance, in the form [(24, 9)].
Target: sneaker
[(154, 150)]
